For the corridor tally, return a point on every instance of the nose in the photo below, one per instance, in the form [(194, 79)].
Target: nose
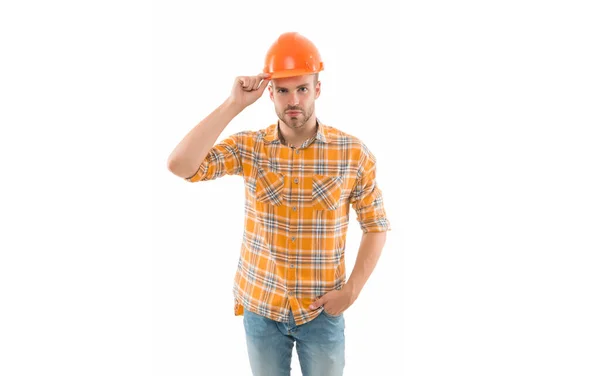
[(293, 101)]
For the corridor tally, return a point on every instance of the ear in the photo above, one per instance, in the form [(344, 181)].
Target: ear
[(317, 89), (271, 91)]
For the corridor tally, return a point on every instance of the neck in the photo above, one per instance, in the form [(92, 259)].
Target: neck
[(296, 136)]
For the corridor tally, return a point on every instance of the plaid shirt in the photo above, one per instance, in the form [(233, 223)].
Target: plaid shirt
[(296, 215)]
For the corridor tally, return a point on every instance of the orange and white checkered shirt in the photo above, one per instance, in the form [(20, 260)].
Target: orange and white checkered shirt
[(296, 214)]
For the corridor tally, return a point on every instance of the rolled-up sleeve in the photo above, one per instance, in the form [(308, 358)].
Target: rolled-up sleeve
[(367, 199), (222, 159)]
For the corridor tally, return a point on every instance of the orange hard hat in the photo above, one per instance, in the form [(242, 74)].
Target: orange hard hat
[(292, 55)]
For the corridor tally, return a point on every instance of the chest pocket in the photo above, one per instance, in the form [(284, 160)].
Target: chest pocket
[(326, 192), (269, 187)]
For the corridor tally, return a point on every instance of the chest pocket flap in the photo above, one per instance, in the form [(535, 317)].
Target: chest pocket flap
[(326, 192), (269, 186)]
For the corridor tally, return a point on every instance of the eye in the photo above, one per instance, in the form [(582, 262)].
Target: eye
[(304, 89), (281, 90)]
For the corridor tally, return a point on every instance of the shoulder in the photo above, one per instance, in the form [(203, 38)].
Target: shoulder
[(248, 136), (358, 147)]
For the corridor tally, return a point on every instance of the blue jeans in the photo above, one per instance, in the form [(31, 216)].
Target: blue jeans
[(319, 343)]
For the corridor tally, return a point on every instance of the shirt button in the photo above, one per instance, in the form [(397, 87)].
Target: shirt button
[(297, 151), (296, 180), (294, 208), (292, 265), (293, 238)]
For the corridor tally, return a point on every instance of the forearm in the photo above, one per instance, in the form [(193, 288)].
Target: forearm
[(193, 148), (369, 251)]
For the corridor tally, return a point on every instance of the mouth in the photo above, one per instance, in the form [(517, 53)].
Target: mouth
[(294, 113)]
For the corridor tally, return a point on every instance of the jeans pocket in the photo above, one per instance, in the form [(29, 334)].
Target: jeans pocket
[(332, 316)]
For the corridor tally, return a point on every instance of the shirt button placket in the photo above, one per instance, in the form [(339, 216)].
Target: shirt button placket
[(293, 245)]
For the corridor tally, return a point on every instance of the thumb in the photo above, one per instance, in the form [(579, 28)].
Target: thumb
[(317, 303), (265, 82)]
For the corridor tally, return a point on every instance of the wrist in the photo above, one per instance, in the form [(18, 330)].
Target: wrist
[(231, 104), (352, 290)]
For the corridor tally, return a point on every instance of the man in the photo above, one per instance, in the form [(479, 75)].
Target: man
[(301, 177)]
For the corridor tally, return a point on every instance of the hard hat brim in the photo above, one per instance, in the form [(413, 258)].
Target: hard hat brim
[(291, 73)]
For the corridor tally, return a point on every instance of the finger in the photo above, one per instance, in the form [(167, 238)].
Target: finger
[(248, 84), (257, 83), (243, 82), (253, 83), (317, 303), (330, 311), (260, 78), (263, 85)]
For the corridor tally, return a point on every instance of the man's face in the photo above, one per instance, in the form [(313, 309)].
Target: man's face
[(294, 98)]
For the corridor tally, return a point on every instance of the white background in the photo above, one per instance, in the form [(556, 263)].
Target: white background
[(484, 120)]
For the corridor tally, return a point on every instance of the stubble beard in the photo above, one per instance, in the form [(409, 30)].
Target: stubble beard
[(296, 121)]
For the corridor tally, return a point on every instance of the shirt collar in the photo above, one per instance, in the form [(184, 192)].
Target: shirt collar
[(272, 134)]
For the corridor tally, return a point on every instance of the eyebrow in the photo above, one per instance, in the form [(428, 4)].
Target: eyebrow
[(299, 86)]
